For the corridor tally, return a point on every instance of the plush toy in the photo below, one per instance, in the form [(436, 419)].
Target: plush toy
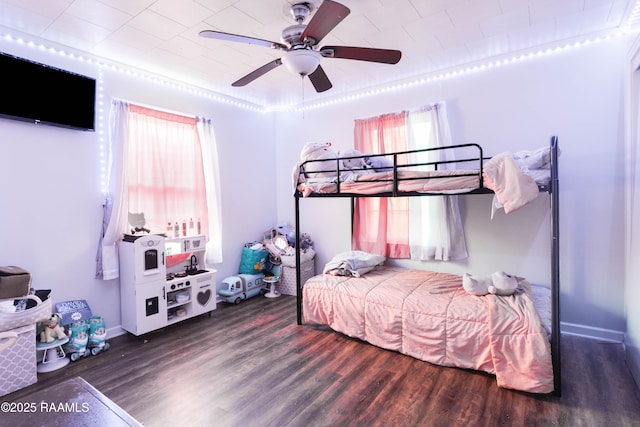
[(319, 151), (52, 329), (289, 232), (305, 242), (357, 164), (498, 283), (379, 163)]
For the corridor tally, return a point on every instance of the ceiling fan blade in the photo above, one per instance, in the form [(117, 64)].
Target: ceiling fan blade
[(386, 56), (257, 73), (328, 15), (241, 39), (320, 80)]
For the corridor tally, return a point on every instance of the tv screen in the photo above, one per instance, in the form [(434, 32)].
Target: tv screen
[(39, 93)]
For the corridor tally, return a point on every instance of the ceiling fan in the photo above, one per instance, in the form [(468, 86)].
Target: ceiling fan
[(302, 55)]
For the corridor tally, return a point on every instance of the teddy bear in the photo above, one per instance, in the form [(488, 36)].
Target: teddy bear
[(379, 163), (52, 329), (498, 283), (319, 151)]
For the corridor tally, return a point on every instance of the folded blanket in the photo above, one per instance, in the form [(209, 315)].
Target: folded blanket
[(353, 263)]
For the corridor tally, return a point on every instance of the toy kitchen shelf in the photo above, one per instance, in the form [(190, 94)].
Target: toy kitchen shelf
[(161, 282)]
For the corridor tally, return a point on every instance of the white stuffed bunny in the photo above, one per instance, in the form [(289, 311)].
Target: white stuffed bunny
[(498, 283)]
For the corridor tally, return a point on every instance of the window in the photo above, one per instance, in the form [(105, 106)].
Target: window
[(165, 176), (381, 225), (424, 228), (163, 165)]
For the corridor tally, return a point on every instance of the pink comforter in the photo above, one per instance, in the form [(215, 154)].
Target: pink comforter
[(429, 316)]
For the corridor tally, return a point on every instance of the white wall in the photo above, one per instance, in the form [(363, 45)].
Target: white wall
[(632, 217), (513, 107), (50, 200)]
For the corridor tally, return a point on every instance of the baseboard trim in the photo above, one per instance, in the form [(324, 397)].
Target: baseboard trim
[(592, 332), (115, 331)]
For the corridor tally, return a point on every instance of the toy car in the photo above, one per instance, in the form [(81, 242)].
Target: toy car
[(235, 289)]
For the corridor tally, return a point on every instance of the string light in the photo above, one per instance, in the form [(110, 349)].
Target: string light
[(630, 25), (102, 139), (100, 107), (457, 72)]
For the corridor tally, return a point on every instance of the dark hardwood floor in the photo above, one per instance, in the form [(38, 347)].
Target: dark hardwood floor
[(252, 365)]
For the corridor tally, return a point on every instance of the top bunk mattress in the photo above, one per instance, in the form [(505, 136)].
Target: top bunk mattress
[(440, 182)]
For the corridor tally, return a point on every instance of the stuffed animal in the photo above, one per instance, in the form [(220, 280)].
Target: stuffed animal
[(289, 232), (305, 242), (498, 283), (52, 329), (319, 151), (379, 163), (357, 164)]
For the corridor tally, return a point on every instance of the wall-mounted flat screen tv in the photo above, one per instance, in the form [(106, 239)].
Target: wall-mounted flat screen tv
[(39, 93)]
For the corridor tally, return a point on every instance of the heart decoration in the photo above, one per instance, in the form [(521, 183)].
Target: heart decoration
[(204, 297)]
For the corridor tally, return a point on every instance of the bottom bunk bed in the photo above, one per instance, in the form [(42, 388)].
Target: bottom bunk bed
[(430, 316)]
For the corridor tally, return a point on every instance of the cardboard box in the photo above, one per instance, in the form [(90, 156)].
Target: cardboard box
[(18, 360), (287, 283)]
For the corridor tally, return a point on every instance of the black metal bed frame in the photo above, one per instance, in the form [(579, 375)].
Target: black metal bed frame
[(552, 188)]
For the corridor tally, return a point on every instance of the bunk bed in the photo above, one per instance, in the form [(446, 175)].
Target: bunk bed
[(408, 178)]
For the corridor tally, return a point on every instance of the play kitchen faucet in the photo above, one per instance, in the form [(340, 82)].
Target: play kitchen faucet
[(192, 268)]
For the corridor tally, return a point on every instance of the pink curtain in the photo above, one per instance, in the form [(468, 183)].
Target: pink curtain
[(381, 225), (165, 172)]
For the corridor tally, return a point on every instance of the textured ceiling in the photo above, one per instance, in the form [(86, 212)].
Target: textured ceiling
[(161, 36)]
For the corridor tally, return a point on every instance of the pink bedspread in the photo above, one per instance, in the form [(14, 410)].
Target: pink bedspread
[(429, 316)]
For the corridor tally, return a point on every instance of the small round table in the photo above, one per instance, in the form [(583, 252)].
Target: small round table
[(53, 355), (273, 280)]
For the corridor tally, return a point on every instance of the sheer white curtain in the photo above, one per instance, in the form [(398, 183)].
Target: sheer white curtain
[(115, 206), (209, 149), (436, 231)]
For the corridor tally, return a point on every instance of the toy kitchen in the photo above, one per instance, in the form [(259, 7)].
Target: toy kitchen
[(161, 281)]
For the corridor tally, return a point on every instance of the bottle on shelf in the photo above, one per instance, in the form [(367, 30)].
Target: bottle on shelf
[(184, 228), (191, 230), (199, 227), (176, 230), (169, 230)]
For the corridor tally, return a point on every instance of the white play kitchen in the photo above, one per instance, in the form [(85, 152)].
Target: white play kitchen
[(161, 281)]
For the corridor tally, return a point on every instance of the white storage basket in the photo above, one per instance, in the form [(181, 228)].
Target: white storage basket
[(40, 312), (287, 284), (17, 358)]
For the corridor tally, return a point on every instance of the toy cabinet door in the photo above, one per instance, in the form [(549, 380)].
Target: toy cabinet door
[(203, 298), (151, 307)]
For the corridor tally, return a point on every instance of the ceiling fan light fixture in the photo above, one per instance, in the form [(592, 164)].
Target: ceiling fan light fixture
[(302, 61)]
